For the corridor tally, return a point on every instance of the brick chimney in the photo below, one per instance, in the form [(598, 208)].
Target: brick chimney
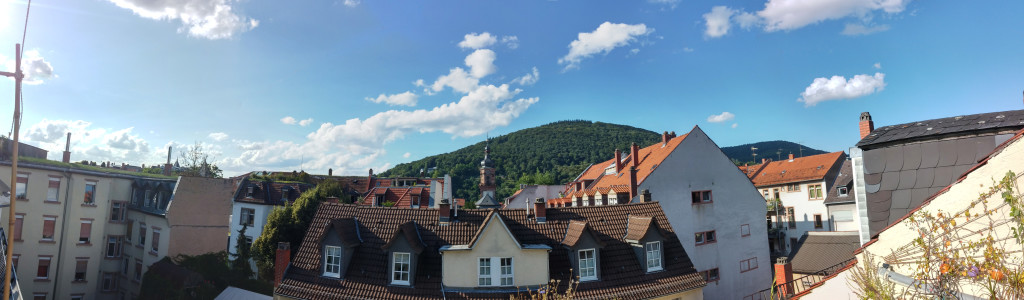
[(281, 261), (645, 196), (791, 156), (763, 160), (783, 275), (67, 150), (671, 135), (444, 212), (330, 172), (369, 181), (632, 183), (618, 161), (634, 151), (540, 210), (167, 166), (664, 137), (866, 125)]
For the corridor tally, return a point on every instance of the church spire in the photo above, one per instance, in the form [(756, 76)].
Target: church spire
[(487, 184)]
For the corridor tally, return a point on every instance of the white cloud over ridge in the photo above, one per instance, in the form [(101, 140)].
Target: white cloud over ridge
[(478, 41), (838, 87), (722, 117), (785, 15), (604, 39), (210, 19), (404, 99), (218, 136)]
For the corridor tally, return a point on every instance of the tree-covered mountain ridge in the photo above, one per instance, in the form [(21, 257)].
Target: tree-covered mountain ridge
[(553, 153)]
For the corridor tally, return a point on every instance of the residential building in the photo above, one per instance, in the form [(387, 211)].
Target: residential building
[(712, 206), (624, 252), (69, 227), (523, 198), (413, 192), (897, 244), (897, 167), (253, 202), (796, 189), (840, 202)]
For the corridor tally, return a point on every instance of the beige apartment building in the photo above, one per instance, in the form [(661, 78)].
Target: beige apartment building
[(70, 229)]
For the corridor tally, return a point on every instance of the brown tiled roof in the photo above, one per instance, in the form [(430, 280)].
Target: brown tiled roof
[(410, 233), (819, 250), (813, 167), (577, 229), (401, 196), (346, 230), (367, 278), (638, 226)]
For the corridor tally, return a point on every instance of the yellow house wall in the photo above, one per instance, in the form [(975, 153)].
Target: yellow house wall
[(954, 200), (529, 266), (694, 294)]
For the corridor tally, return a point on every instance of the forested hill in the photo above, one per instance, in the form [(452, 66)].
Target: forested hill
[(550, 154), (770, 149)]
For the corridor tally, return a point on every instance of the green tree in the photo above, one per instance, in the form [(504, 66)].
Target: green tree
[(196, 162), (240, 266), (289, 223)]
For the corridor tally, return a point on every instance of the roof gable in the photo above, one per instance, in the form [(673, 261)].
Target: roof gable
[(410, 233), (576, 231), (489, 221), (648, 158)]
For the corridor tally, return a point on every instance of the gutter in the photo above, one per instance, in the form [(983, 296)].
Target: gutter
[(63, 229)]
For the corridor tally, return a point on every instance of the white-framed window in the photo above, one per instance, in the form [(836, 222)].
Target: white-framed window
[(332, 261), (400, 262), (109, 282), (142, 235), (588, 264), (114, 246), (53, 189), (503, 275), (22, 186), (90, 193), (653, 250), (745, 230), (117, 211), (706, 237), (843, 191), (43, 272), (155, 243), (247, 217)]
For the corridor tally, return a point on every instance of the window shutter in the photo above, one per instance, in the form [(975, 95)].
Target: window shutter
[(55, 182), (22, 178), (18, 221), (81, 266), (48, 227), (86, 229)]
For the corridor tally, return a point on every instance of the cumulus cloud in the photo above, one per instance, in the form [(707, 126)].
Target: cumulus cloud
[(717, 21), (210, 19), (793, 14), (92, 143), (837, 87), (481, 63), (511, 41), (878, 65), (722, 117), (477, 41), (407, 155), (306, 122), (218, 136), (457, 79), (288, 120), (734, 125), (604, 39), (858, 29), (35, 67), (747, 20), (528, 79), (352, 3), (671, 3), (404, 99)]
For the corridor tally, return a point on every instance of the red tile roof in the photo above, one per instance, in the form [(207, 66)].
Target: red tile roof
[(807, 168), (649, 158), (622, 276)]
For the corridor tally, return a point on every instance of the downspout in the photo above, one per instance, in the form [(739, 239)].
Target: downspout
[(63, 227)]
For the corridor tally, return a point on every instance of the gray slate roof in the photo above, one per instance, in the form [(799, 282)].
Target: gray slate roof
[(936, 128), (844, 178), (819, 250)]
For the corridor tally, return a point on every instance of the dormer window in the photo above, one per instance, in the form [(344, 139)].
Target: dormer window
[(843, 191), (584, 250), (653, 250), (588, 264), (332, 261), (249, 191), (400, 268), (378, 200)]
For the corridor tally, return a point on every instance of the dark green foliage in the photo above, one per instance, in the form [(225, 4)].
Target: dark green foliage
[(302, 177), (550, 154), (741, 154), (217, 275), (243, 253), (288, 224)]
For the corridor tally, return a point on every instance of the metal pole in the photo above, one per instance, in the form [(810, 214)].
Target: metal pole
[(14, 171)]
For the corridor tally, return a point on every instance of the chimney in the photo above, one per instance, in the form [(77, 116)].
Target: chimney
[(67, 150), (791, 157), (866, 125), (167, 166), (634, 151), (444, 212), (672, 135), (783, 276), (330, 172), (645, 196), (618, 161), (540, 207), (664, 137), (632, 183), (763, 160), (281, 261)]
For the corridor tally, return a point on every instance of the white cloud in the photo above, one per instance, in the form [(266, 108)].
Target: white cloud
[(457, 79), (92, 143), (837, 87), (528, 79), (793, 14), (858, 29), (481, 63), (406, 155), (878, 65), (306, 122), (723, 117), (717, 21), (671, 3), (734, 125), (211, 19), (602, 40), (477, 41), (511, 41), (352, 3), (747, 20), (634, 51), (35, 67), (218, 136), (288, 120), (405, 99)]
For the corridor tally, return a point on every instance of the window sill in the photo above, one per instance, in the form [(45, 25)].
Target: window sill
[(19, 240), (707, 243), (112, 257), (42, 279), (655, 270), (79, 281), (22, 199), (152, 253), (116, 222), (88, 204), (84, 244), (701, 203), (51, 202), (755, 268), (47, 242)]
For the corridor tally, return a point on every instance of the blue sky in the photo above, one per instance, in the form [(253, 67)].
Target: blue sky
[(352, 85)]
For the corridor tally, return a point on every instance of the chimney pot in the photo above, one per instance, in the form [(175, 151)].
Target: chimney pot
[(634, 153), (540, 210), (444, 211), (791, 156), (645, 196), (783, 275), (764, 160), (281, 261), (664, 137), (866, 124), (618, 161)]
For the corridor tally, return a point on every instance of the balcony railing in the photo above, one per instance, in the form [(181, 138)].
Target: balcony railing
[(787, 290)]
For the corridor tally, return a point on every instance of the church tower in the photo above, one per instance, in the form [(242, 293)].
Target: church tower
[(487, 185)]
